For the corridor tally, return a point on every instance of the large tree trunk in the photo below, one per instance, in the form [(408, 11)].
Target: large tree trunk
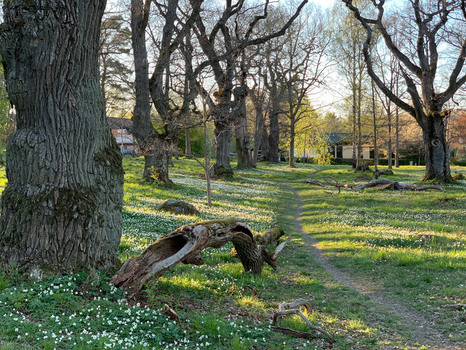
[(274, 112), (259, 129), (436, 147), (62, 206), (274, 136), (241, 129), (186, 244), (222, 133), (142, 129), (187, 148), (162, 155)]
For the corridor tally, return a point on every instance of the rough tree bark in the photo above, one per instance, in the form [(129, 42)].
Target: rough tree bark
[(62, 206), (142, 129), (222, 133), (276, 95), (260, 132), (186, 243), (241, 129), (157, 147)]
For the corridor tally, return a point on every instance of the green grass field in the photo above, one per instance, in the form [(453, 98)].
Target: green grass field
[(408, 245)]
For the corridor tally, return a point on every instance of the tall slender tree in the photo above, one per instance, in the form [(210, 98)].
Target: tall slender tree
[(303, 64), (347, 52)]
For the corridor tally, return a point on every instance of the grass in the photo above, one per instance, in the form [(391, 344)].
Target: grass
[(410, 244)]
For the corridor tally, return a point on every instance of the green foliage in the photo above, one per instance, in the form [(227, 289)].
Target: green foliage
[(116, 74), (197, 142)]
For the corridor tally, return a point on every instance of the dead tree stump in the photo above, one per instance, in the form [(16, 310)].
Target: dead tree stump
[(186, 244)]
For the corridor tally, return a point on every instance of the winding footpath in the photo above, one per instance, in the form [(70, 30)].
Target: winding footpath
[(422, 331)]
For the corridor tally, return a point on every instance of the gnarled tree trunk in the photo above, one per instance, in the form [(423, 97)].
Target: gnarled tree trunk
[(436, 147), (274, 136), (149, 141), (222, 133), (62, 205), (186, 244)]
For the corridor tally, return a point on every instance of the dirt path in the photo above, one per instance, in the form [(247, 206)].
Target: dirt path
[(422, 331)]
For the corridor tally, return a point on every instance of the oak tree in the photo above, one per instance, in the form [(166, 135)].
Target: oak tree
[(62, 205)]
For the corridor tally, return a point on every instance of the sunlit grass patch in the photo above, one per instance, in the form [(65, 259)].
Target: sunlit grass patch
[(252, 304)]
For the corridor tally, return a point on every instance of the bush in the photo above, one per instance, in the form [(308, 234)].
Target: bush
[(458, 162)]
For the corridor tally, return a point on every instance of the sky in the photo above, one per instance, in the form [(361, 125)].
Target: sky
[(323, 3)]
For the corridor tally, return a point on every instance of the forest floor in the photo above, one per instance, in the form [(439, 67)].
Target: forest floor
[(381, 269), (421, 330)]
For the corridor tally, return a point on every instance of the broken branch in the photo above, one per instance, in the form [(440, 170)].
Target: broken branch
[(186, 244), (293, 309)]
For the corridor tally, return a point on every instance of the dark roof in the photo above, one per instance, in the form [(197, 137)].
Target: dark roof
[(120, 123), (340, 137), (344, 138)]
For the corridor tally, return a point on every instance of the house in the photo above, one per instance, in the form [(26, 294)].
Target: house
[(121, 128), (341, 145)]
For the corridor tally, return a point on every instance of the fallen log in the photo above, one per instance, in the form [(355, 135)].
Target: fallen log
[(400, 186), (186, 244)]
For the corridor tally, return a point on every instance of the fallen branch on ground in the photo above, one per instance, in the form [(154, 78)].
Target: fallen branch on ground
[(331, 182), (394, 185), (456, 306), (172, 315), (186, 244), (293, 309)]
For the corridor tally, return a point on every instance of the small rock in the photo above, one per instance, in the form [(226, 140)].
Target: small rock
[(178, 207)]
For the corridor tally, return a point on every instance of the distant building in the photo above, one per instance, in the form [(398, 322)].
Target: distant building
[(341, 145), (121, 128)]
